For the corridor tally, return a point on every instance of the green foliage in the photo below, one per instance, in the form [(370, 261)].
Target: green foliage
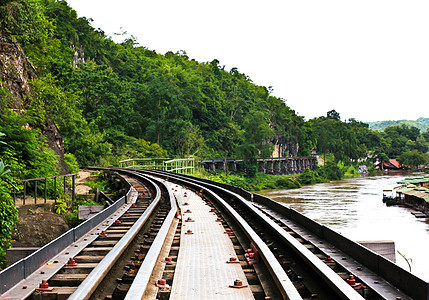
[(115, 101), (422, 124), (342, 139), (100, 183), (287, 183), (27, 153), (71, 162), (331, 171), (259, 181), (125, 92), (8, 212), (310, 177), (413, 158), (351, 172), (23, 20), (61, 206)]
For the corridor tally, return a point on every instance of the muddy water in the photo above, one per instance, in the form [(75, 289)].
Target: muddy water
[(354, 208)]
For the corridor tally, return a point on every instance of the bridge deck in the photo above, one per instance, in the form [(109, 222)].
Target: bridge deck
[(201, 270)]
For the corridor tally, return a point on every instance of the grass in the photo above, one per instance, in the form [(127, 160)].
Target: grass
[(259, 182)]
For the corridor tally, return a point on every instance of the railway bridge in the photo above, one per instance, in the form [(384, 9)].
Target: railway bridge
[(277, 166), (174, 236)]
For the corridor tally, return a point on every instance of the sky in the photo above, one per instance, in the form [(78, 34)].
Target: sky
[(367, 59)]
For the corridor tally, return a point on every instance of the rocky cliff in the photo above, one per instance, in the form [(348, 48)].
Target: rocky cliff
[(15, 73)]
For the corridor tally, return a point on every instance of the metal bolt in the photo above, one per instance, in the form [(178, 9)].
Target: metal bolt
[(71, 262), (162, 281), (351, 280)]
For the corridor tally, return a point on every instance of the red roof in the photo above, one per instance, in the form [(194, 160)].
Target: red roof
[(392, 163), (395, 163)]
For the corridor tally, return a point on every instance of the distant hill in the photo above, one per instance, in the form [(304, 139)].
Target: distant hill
[(420, 123)]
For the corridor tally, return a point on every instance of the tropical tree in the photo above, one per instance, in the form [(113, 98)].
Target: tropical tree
[(413, 158), (8, 211)]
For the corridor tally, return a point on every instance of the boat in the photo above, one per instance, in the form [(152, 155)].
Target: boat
[(388, 196)]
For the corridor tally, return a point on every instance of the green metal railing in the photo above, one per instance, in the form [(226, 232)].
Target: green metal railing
[(144, 163), (180, 165)]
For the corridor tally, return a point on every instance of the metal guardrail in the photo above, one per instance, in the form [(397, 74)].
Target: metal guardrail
[(143, 163), (26, 266), (174, 165)]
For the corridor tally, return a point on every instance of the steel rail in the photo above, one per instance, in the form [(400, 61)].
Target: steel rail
[(92, 281), (379, 274), (49, 259), (284, 284), (141, 281), (343, 290)]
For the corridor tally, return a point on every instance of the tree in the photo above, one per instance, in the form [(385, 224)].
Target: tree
[(333, 114), (413, 158), (8, 212), (421, 144), (190, 142)]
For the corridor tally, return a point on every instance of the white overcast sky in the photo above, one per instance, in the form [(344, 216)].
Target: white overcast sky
[(367, 59)]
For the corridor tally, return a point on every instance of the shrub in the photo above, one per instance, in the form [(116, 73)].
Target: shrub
[(287, 183), (71, 162), (311, 177)]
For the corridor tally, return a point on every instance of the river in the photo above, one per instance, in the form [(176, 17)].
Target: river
[(354, 208)]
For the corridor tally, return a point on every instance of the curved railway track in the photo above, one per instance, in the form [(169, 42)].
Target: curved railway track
[(133, 253)]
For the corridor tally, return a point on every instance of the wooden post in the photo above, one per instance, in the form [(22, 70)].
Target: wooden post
[(73, 189), (55, 189), (46, 188), (25, 190), (35, 191)]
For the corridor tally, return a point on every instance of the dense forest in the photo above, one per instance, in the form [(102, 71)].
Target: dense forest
[(420, 123), (111, 101), (68, 93)]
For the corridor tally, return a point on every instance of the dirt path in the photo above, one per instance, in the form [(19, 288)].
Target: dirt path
[(82, 189)]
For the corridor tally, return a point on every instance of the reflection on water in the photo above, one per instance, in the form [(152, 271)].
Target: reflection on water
[(354, 208)]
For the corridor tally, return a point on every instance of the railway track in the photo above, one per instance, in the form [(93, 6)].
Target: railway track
[(135, 254)]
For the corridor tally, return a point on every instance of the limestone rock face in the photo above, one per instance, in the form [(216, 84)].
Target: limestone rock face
[(15, 73)]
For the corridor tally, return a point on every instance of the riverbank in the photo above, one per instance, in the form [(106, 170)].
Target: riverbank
[(259, 182), (354, 208), (262, 181)]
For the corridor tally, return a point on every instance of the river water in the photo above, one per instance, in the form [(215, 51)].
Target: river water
[(354, 208)]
